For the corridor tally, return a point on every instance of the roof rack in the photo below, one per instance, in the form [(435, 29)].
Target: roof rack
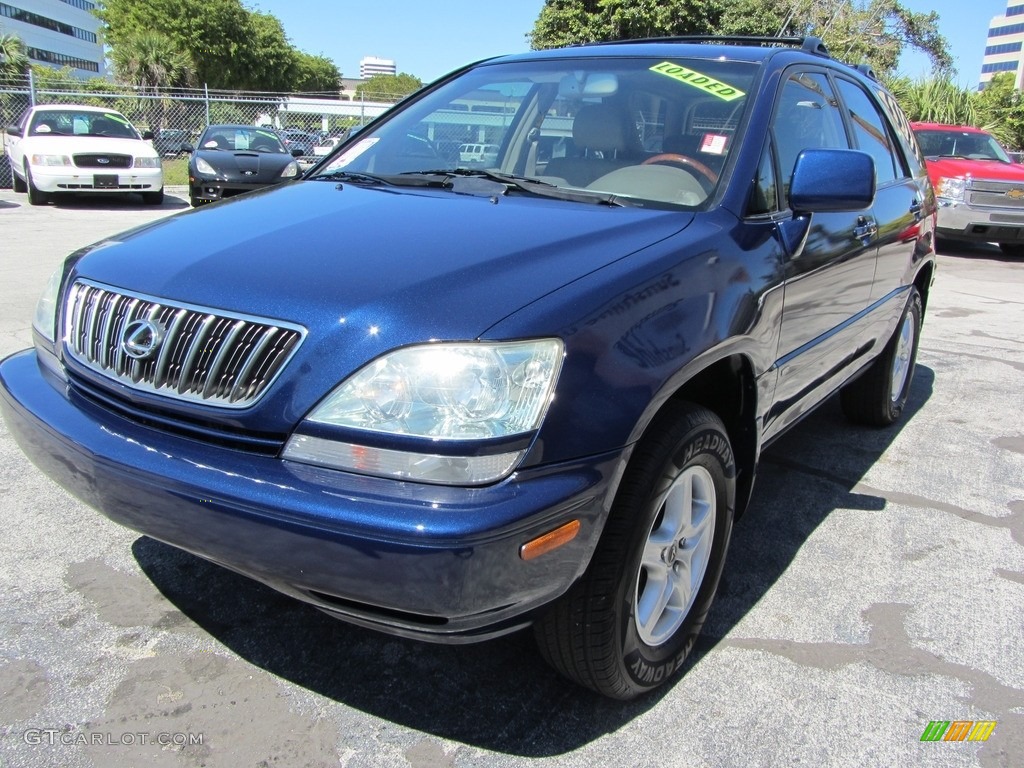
[(867, 70), (809, 44)]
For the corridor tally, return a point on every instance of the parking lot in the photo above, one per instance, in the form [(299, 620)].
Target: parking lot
[(875, 585)]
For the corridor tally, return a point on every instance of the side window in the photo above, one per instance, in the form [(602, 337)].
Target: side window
[(870, 132), (806, 117)]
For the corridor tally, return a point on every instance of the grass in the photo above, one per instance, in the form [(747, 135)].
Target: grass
[(175, 171)]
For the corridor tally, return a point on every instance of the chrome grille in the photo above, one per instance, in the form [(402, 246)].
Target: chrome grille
[(202, 355), (103, 161), (996, 194)]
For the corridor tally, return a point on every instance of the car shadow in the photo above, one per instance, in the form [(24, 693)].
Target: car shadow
[(973, 250), (499, 695), (110, 202)]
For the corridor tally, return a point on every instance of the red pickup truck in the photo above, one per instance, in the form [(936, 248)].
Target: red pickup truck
[(980, 190)]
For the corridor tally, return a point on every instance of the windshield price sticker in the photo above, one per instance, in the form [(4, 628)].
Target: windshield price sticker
[(697, 80)]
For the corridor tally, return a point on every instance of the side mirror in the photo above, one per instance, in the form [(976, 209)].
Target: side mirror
[(832, 180), (187, 148), (297, 153), (13, 130), (148, 135)]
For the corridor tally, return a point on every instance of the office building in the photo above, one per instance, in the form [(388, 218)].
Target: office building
[(369, 66), (57, 33), (1004, 44)]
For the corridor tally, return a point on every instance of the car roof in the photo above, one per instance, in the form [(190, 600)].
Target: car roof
[(734, 48), (74, 108), (946, 127)]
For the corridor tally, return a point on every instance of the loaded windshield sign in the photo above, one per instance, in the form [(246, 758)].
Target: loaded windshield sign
[(697, 80)]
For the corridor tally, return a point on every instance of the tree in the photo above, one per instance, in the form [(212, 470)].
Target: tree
[(151, 62), (229, 46), (210, 32), (1001, 108), (936, 100), (316, 74), (876, 31), (388, 87), (13, 58), (269, 61)]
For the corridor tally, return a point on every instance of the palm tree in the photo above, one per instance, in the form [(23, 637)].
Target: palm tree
[(13, 59), (151, 62), (937, 100)]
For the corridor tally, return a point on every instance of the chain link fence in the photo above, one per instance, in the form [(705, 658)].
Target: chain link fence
[(178, 116)]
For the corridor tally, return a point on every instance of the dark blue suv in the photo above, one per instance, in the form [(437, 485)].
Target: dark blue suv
[(449, 400)]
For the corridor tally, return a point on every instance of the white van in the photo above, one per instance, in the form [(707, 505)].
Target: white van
[(478, 153)]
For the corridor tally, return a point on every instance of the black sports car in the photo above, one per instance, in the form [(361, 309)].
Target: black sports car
[(231, 159)]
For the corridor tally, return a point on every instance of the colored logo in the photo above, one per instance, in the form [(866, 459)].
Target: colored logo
[(140, 339), (958, 730), (1015, 193)]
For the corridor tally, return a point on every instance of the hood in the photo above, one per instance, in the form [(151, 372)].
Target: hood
[(260, 166), (83, 145), (366, 270), (979, 169)]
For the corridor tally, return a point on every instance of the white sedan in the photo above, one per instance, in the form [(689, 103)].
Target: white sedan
[(65, 148)]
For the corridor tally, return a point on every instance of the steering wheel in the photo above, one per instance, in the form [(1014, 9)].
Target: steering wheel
[(672, 157)]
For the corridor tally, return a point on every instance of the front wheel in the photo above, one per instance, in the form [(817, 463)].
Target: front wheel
[(153, 198), (877, 397), (1012, 249), (35, 195), (628, 624), (19, 183)]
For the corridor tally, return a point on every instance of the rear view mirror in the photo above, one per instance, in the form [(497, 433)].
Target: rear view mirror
[(594, 84)]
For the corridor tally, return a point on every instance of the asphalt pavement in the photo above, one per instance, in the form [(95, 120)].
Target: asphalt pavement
[(875, 585)]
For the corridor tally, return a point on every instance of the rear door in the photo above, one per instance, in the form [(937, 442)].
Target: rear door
[(900, 191), (828, 279)]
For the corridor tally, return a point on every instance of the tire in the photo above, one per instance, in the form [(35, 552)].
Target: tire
[(625, 628), (877, 397), (1012, 249), (153, 198), (35, 196), (19, 183)]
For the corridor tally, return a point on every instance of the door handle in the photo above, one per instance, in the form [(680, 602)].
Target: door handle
[(866, 229)]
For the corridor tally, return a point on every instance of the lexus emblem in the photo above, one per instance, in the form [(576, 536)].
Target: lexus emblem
[(141, 338)]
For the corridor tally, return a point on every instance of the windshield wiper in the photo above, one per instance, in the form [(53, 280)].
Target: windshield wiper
[(522, 183), (353, 177)]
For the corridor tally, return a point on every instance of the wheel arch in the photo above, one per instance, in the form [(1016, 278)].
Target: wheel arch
[(923, 283), (728, 388)]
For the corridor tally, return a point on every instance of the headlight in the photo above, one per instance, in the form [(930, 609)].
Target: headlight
[(292, 169), (204, 167), (147, 162), (46, 309), (58, 160), (476, 394), (951, 189)]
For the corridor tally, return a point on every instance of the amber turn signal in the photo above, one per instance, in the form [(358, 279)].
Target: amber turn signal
[(563, 534)]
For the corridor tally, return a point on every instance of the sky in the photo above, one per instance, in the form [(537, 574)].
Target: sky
[(429, 39)]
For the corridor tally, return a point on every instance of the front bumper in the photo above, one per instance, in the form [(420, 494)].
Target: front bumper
[(431, 562), (67, 179), (215, 189), (962, 221)]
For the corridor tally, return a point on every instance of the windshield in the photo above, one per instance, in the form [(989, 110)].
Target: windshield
[(241, 138), (646, 132), (969, 144), (72, 122)]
